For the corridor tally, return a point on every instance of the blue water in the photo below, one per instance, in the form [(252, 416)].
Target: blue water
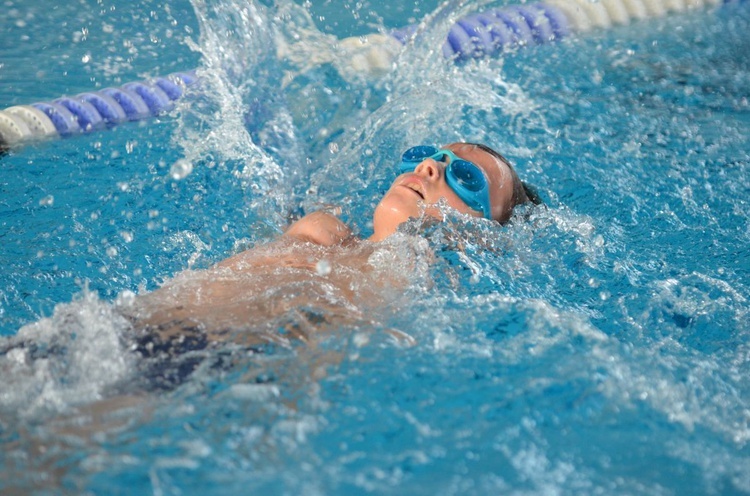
[(596, 345)]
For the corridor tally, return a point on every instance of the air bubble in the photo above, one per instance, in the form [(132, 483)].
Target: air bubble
[(47, 201)]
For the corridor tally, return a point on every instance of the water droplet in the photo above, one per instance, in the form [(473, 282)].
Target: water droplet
[(361, 339), (112, 251), (126, 298), (180, 169), (323, 267), (47, 201)]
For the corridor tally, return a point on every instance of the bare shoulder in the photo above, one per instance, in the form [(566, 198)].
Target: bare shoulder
[(320, 228)]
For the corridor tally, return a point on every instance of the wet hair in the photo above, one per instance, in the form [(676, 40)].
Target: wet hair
[(522, 192)]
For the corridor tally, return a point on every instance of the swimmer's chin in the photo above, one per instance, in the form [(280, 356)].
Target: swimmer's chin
[(382, 233), (412, 227)]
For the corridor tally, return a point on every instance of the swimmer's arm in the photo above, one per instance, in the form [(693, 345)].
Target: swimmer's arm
[(320, 228)]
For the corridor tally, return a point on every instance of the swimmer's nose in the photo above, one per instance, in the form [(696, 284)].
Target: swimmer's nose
[(429, 169)]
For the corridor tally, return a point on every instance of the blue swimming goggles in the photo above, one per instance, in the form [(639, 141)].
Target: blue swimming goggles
[(465, 178)]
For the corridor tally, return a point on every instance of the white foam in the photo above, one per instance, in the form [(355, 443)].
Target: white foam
[(85, 357)]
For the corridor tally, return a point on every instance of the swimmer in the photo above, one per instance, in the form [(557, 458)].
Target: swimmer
[(318, 274)]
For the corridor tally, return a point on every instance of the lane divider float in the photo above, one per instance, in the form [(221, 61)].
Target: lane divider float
[(92, 111), (477, 35)]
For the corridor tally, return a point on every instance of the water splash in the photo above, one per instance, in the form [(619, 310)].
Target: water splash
[(236, 118), (616, 313), (77, 355)]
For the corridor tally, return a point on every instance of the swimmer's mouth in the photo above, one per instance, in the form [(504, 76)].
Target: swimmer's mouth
[(415, 189)]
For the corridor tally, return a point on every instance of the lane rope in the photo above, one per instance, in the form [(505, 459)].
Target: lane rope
[(488, 33)]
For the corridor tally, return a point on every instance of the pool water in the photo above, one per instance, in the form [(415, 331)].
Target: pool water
[(598, 344)]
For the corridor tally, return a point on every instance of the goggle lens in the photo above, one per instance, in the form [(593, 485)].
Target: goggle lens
[(468, 175), (419, 153)]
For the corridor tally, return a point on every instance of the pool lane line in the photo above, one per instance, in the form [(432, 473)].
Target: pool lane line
[(497, 30), (474, 36), (92, 111)]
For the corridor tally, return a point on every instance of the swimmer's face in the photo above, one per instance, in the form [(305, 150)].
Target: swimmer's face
[(426, 185)]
